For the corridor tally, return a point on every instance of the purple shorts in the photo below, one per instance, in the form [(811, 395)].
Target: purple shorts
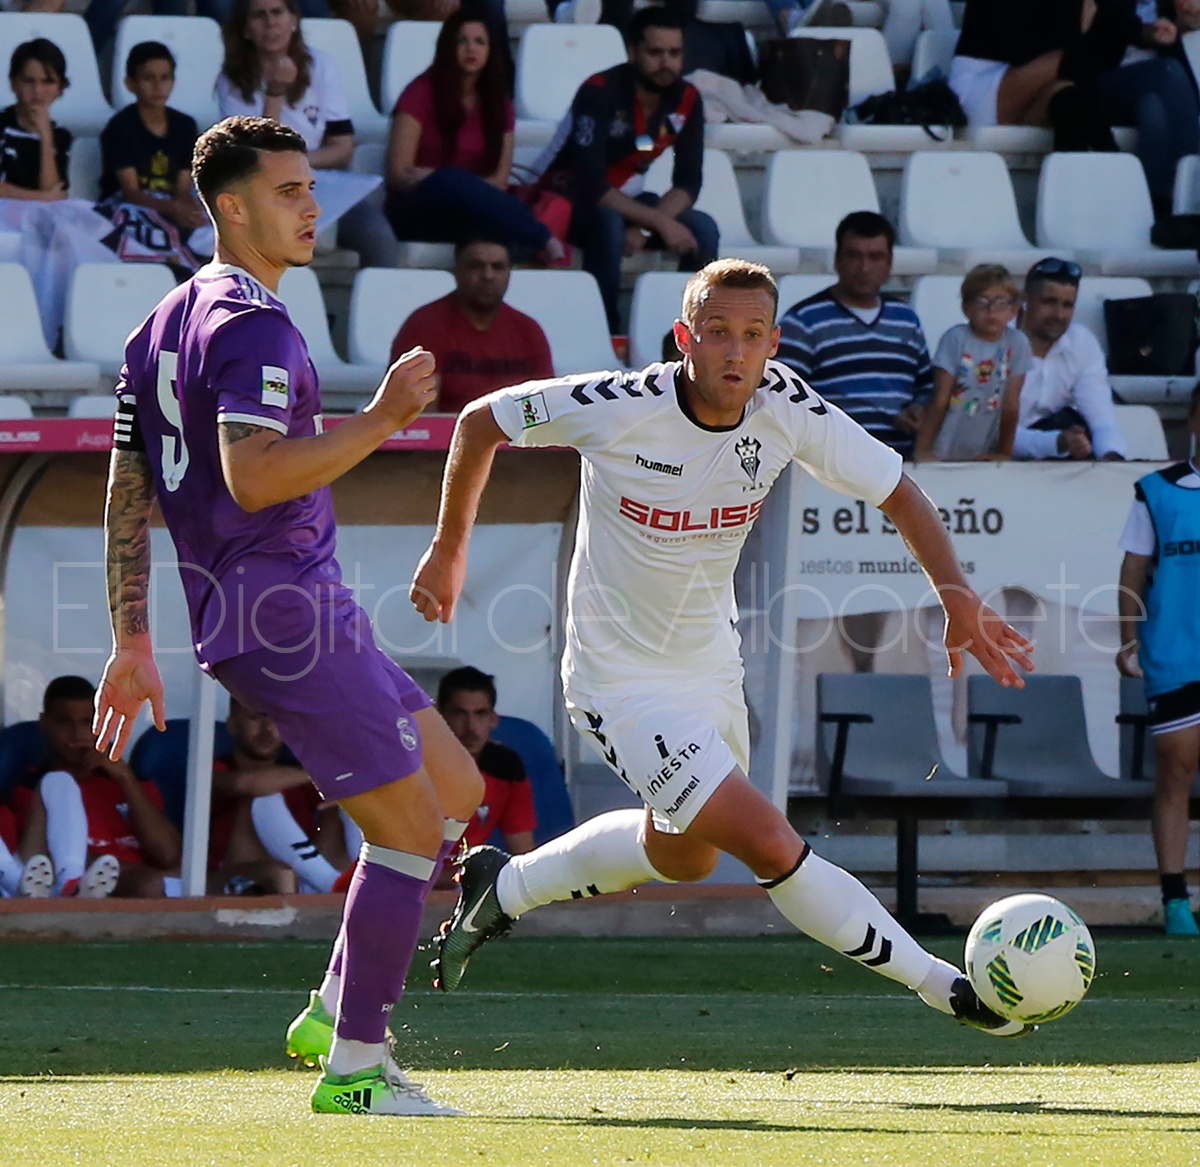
[(344, 708)]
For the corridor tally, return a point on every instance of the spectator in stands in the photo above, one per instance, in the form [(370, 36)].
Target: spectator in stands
[(1160, 640), (466, 699), (978, 371), (620, 121), (33, 150), (861, 350), (1014, 67), (269, 71), (146, 148), (1066, 408), (81, 805), (903, 22), (269, 829), (450, 153), (480, 343)]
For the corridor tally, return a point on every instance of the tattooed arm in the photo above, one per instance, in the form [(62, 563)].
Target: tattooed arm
[(130, 676)]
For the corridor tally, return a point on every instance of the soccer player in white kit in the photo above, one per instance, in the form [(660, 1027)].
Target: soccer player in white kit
[(677, 460)]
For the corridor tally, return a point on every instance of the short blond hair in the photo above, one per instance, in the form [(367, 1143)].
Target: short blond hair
[(728, 273), (987, 275)]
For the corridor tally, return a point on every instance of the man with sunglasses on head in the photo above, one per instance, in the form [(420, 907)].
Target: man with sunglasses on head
[(1066, 408)]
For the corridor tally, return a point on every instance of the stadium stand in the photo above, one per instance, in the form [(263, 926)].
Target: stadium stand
[(1098, 206), (934, 50), (720, 198), (551, 801), (552, 62), (338, 39), (93, 405), (381, 300), (84, 164), (14, 408), (83, 108), (809, 192), (195, 42), (25, 361), (1187, 186), (105, 303), (1142, 429), (654, 309), (962, 204), (568, 307)]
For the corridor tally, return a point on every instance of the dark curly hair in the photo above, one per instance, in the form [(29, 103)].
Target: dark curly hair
[(241, 57), (492, 90), (229, 152)]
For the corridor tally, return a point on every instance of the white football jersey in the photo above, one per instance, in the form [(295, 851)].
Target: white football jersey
[(666, 505)]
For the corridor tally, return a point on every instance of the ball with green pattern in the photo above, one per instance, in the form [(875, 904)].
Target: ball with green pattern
[(1030, 958)]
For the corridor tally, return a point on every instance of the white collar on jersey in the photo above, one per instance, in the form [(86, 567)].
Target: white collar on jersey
[(214, 269)]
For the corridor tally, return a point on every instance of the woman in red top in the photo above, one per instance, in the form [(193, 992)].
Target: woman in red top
[(451, 148)]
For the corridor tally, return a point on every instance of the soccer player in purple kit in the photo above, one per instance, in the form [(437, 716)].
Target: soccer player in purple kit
[(219, 420)]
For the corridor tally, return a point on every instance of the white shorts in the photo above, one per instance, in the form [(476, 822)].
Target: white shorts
[(976, 84), (672, 747)]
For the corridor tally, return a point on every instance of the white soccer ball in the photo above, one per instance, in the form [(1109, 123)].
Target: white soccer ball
[(1030, 958)]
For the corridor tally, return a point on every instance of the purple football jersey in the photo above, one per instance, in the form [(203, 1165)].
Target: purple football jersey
[(220, 349)]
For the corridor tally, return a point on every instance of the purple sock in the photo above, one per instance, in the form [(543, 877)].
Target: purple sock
[(447, 849), (380, 925)]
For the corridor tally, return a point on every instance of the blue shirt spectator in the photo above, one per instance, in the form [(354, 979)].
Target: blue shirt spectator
[(862, 351)]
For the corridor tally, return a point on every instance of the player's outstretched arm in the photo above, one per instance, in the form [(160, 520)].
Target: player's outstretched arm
[(443, 568), (262, 467), (971, 626), (130, 676)]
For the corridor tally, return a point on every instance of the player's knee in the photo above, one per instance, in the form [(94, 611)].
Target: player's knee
[(690, 867)]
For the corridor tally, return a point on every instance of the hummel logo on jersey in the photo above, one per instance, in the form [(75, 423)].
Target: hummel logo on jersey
[(866, 952), (659, 467), (747, 451), (781, 379), (605, 388)]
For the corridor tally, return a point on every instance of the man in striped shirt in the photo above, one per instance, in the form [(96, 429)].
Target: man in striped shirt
[(862, 351)]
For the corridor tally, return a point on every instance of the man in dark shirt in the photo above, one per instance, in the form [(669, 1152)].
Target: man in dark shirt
[(479, 342), (620, 121)]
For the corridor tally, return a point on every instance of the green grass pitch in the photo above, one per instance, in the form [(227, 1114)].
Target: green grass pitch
[(701, 1053)]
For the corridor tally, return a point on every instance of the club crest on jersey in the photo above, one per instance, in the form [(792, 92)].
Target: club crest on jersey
[(533, 410), (275, 386), (747, 451), (408, 736)]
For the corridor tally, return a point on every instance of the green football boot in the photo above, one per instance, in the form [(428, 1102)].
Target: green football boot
[(310, 1034), (382, 1089)]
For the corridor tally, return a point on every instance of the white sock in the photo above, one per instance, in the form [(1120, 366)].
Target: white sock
[(11, 870), (831, 906), (348, 1057), (352, 835), (330, 988), (604, 854), (281, 835), (66, 826)]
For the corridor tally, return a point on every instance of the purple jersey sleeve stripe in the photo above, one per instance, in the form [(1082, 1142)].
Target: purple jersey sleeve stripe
[(269, 423)]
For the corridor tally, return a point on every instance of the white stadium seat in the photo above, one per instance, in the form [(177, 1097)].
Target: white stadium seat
[(808, 192), (567, 305), (937, 301), (1143, 432), (25, 361), (195, 42), (794, 288), (301, 294), (93, 405), (934, 50), (105, 303), (13, 408), (720, 198), (555, 59), (657, 298), (1187, 186), (340, 41), (1012, 139), (1098, 205), (407, 53), (83, 169), (962, 203), (83, 108), (381, 301)]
